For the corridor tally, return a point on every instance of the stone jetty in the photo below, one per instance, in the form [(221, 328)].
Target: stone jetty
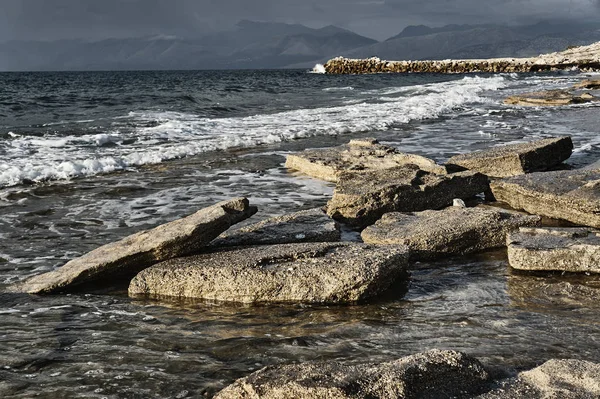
[(585, 58)]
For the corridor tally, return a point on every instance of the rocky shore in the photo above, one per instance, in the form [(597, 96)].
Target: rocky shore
[(405, 208), (585, 58)]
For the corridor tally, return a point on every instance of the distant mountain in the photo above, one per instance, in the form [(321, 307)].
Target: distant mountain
[(479, 41), (250, 45)]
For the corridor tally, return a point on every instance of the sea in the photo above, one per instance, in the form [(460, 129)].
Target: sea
[(87, 158)]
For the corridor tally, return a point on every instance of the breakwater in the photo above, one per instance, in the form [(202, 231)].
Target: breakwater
[(585, 58)]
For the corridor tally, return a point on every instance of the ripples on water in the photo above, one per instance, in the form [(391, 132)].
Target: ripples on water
[(107, 345)]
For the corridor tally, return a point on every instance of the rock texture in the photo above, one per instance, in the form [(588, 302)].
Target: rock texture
[(359, 199), (433, 374), (307, 273), (516, 159), (555, 249), (569, 195), (451, 231), (588, 84), (128, 256), (358, 155), (564, 379), (585, 58), (551, 98), (312, 225)]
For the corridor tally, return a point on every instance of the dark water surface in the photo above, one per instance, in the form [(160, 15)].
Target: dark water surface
[(88, 158)]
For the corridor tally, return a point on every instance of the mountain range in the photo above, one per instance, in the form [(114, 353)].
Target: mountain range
[(276, 45)]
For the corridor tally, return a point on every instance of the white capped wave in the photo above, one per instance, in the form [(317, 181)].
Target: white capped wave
[(180, 134), (319, 68)]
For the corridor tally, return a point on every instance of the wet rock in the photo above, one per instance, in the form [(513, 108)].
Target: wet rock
[(570, 195), (451, 231), (312, 225), (358, 155), (128, 256), (516, 159), (588, 84), (432, 374), (307, 273), (550, 98), (359, 199), (564, 378), (555, 249)]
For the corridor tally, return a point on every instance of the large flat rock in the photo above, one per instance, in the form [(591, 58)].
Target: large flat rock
[(307, 273), (433, 374), (365, 154), (569, 195), (551, 98), (555, 249), (359, 199), (516, 159), (451, 231), (312, 225), (557, 378), (125, 258)]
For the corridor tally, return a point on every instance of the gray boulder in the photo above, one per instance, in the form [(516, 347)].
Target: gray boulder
[(359, 199), (569, 195), (307, 273), (451, 231), (125, 258), (428, 375), (365, 154), (516, 159), (550, 98), (555, 249), (560, 379), (312, 225)]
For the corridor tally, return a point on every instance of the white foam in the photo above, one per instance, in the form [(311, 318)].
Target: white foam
[(179, 134), (319, 68)]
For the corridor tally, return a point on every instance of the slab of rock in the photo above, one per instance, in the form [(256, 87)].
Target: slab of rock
[(125, 258), (555, 249), (359, 199), (306, 273), (451, 231), (564, 379), (312, 225), (516, 159), (588, 84), (551, 98), (570, 195), (358, 155), (433, 374)]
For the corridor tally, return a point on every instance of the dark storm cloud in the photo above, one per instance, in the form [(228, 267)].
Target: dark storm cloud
[(54, 19)]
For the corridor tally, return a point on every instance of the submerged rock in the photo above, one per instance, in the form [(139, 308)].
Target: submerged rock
[(588, 84), (551, 98), (555, 249), (307, 273), (359, 199), (312, 225), (570, 195), (557, 378), (128, 256), (516, 159), (432, 374), (358, 155), (451, 231)]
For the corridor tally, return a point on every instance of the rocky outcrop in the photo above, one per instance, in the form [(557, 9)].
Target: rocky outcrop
[(588, 84), (586, 58), (358, 155), (307, 273), (569, 195), (557, 378), (128, 256), (551, 98), (312, 225), (516, 159), (432, 374), (555, 249), (451, 231), (359, 199)]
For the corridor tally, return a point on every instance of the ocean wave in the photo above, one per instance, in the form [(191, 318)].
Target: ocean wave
[(177, 135)]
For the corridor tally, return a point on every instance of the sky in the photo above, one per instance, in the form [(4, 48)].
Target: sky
[(378, 19)]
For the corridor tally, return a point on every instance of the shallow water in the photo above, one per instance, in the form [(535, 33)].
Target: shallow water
[(194, 138)]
